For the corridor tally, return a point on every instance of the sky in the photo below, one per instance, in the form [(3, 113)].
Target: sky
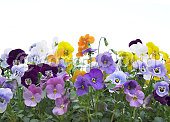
[(24, 22)]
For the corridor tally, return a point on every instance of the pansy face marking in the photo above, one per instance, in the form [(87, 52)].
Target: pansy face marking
[(157, 70), (94, 80), (162, 89), (117, 80), (28, 81)]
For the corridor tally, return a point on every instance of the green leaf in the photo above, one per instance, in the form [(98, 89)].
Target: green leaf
[(110, 86), (20, 115), (34, 120), (158, 119), (76, 107), (26, 119)]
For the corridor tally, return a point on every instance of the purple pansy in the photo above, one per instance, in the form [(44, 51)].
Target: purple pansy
[(29, 77), (5, 97), (162, 100), (157, 68), (118, 78), (141, 66), (32, 95), (168, 100), (55, 88), (131, 86), (136, 99), (2, 81), (48, 70), (81, 86), (61, 105), (95, 78), (88, 50), (161, 88), (61, 66), (106, 62), (16, 57)]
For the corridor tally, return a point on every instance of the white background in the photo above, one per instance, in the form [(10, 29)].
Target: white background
[(23, 22)]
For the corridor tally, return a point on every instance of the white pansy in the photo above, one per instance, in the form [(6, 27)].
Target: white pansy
[(139, 49), (4, 57)]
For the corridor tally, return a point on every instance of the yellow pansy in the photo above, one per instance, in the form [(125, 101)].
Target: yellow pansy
[(164, 55), (153, 50), (128, 58), (69, 67), (64, 50), (167, 65)]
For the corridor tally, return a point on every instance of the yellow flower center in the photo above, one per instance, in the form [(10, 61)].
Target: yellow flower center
[(105, 62), (62, 106), (135, 98), (65, 52), (82, 87), (55, 91), (33, 98), (156, 70), (117, 80), (94, 80)]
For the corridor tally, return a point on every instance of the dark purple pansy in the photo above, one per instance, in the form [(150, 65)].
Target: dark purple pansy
[(88, 50), (16, 57), (135, 42), (81, 86), (30, 77), (48, 70), (168, 100), (162, 100), (106, 62), (95, 78), (131, 86)]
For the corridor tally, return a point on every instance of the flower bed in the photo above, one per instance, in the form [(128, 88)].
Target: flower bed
[(94, 85)]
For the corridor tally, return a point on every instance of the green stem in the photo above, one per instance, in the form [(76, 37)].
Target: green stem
[(99, 43), (134, 113)]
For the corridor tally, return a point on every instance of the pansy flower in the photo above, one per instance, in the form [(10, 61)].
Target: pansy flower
[(137, 47), (48, 70), (161, 88), (131, 86), (141, 66), (162, 100), (4, 58), (18, 71), (136, 99), (153, 50), (157, 68), (29, 77), (64, 50), (83, 44), (32, 95), (16, 57), (61, 105), (5, 96), (118, 78), (88, 50), (81, 85), (55, 88), (95, 78), (106, 62)]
